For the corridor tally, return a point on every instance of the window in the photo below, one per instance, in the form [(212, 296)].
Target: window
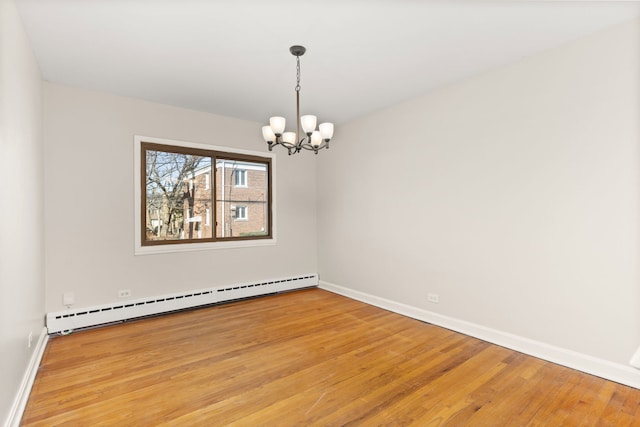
[(194, 195), (240, 179), (241, 213)]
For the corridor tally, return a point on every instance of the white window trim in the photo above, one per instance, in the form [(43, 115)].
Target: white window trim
[(246, 213), (188, 247), (235, 178), (241, 164)]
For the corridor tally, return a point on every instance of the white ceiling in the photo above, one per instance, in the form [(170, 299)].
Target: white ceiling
[(232, 57)]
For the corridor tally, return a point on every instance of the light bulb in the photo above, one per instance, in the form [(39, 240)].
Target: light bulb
[(267, 134), (316, 138), (326, 130), (308, 123), (289, 137), (277, 124)]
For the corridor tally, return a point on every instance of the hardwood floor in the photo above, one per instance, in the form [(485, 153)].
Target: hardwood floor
[(308, 358)]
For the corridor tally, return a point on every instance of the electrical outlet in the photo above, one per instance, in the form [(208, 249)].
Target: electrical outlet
[(30, 339), (434, 298), (68, 298), (124, 293)]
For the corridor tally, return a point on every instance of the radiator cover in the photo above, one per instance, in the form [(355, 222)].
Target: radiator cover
[(68, 320)]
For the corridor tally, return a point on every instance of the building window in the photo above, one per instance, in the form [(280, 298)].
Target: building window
[(241, 213), (240, 179), (188, 196)]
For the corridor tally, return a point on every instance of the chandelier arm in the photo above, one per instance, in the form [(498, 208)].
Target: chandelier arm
[(287, 145), (315, 148)]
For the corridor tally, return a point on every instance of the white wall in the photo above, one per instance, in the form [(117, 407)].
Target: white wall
[(21, 204), (89, 202), (513, 195)]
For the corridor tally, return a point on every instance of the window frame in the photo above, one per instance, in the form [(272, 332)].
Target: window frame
[(240, 173), (143, 246), (243, 209)]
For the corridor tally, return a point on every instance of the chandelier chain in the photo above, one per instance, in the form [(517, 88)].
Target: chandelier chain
[(297, 74)]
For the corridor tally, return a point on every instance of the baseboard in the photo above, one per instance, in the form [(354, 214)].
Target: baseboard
[(20, 402), (599, 367), (635, 359)]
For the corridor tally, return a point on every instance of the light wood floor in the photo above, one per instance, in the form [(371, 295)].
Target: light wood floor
[(308, 358)]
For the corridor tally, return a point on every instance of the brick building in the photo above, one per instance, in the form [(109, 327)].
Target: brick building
[(241, 200)]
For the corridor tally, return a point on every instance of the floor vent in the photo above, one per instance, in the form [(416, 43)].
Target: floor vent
[(69, 320)]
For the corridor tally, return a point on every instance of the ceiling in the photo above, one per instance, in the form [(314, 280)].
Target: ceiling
[(232, 57)]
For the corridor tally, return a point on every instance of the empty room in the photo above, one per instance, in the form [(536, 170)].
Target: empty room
[(279, 213)]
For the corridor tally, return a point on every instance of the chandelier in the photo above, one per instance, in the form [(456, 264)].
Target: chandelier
[(313, 139)]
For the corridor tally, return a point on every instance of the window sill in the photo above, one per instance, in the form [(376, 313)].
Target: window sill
[(190, 247)]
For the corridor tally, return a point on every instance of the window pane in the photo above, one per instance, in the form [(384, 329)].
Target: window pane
[(240, 177), (242, 197), (177, 197)]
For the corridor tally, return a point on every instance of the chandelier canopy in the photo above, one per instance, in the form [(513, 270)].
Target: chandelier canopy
[(312, 139)]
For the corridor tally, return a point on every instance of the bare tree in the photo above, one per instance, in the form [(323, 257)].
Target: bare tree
[(169, 183)]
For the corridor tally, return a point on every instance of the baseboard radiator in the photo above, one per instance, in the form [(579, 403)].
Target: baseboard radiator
[(69, 320)]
